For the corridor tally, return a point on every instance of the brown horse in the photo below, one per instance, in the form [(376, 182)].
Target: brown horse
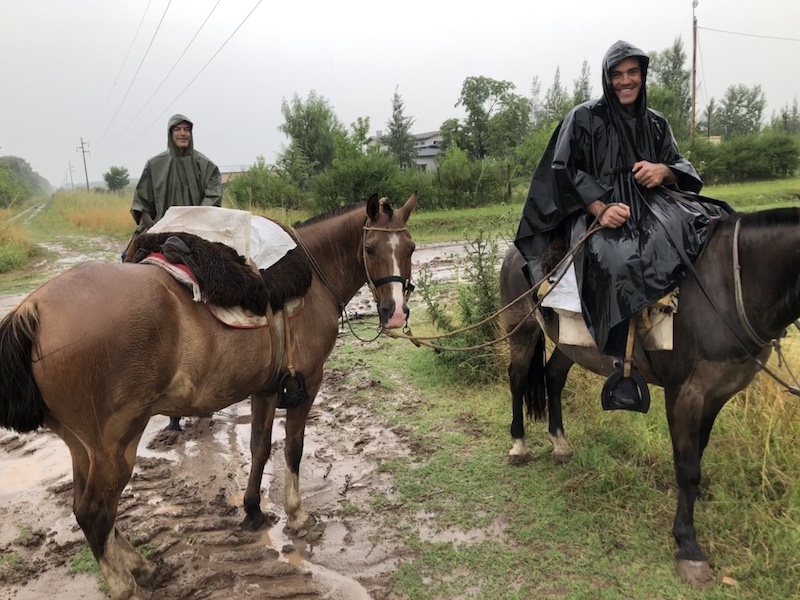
[(98, 350), (716, 351)]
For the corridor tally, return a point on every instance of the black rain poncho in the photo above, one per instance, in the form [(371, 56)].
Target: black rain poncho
[(590, 157), (177, 178)]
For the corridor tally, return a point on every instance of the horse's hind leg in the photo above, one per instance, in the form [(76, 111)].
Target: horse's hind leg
[(263, 415), (297, 518), (110, 469), (556, 372), (689, 429)]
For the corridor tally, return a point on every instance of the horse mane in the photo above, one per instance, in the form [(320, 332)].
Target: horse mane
[(341, 210), (334, 212), (772, 217)]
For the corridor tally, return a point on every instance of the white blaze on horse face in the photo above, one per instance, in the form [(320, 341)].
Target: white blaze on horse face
[(399, 316)]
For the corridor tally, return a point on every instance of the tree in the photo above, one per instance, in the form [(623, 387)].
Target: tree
[(537, 107), (35, 183), (117, 178), (509, 127), (481, 97), (741, 110), (669, 90), (707, 123), (399, 139), (582, 87), (788, 119), (557, 101), (13, 188), (312, 128)]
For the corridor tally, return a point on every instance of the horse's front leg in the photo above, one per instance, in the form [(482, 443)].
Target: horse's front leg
[(556, 372), (262, 408), (297, 518), (685, 416)]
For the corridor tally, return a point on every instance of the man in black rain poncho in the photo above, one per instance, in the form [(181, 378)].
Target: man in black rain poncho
[(615, 151), (181, 176)]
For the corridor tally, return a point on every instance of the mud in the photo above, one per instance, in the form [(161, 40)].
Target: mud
[(182, 506)]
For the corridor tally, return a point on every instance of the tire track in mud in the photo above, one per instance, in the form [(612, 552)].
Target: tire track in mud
[(183, 506)]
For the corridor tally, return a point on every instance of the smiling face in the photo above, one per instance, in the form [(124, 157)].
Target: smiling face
[(626, 80), (182, 135)]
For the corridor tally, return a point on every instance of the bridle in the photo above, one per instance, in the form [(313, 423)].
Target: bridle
[(408, 287)]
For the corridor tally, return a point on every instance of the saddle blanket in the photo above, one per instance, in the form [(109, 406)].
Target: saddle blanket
[(653, 326), (261, 241)]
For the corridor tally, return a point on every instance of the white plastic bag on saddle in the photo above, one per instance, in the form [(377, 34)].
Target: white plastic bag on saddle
[(261, 241)]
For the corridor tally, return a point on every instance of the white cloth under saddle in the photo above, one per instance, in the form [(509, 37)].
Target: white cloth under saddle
[(564, 298), (261, 241)]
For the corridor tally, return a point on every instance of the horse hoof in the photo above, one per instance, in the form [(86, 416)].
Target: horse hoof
[(258, 521), (516, 460), (175, 427), (145, 575), (560, 457), (300, 523), (696, 573)]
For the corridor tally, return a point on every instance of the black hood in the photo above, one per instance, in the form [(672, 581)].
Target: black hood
[(616, 54)]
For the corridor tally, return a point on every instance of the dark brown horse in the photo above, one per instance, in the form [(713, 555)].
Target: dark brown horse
[(98, 350), (714, 355)]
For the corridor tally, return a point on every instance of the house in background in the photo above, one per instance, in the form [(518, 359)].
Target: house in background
[(427, 146)]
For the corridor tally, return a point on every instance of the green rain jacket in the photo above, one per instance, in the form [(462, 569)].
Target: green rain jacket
[(177, 178)]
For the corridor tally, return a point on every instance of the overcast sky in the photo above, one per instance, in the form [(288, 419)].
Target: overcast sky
[(64, 72)]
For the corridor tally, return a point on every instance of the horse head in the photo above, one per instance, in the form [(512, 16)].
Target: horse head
[(387, 250)]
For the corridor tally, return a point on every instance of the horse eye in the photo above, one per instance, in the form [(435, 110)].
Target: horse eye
[(370, 250)]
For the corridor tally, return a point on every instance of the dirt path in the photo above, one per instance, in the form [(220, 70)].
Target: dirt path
[(183, 502)]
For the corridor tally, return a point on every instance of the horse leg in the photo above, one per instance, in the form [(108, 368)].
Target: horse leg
[(297, 518), (174, 424), (521, 379), (110, 468), (263, 415), (684, 414), (556, 372)]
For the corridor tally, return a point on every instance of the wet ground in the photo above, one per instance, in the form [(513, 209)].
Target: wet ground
[(182, 505)]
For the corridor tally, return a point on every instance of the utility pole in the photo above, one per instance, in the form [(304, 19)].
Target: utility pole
[(692, 130), (84, 152), (70, 171)]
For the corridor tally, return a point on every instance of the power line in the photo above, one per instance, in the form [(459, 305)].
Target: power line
[(137, 71), (168, 74), (192, 81), (126, 57), (767, 37)]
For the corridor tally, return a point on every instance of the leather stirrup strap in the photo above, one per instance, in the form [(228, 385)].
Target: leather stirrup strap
[(289, 345), (626, 369)]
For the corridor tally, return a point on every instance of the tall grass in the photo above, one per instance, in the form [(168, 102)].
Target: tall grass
[(16, 250)]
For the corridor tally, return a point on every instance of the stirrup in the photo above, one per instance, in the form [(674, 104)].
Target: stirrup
[(625, 393)]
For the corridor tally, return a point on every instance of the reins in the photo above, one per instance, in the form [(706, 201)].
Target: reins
[(754, 337), (564, 262)]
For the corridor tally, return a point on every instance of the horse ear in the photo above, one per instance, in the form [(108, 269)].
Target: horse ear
[(408, 207), (373, 207)]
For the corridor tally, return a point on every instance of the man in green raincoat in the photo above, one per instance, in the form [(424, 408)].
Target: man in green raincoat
[(181, 176)]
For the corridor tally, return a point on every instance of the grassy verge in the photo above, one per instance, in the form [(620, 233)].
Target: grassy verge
[(16, 250), (598, 527)]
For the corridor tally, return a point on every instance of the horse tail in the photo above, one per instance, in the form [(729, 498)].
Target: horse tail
[(22, 407), (535, 385)]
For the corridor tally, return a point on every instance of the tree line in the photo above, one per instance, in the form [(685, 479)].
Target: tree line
[(501, 138)]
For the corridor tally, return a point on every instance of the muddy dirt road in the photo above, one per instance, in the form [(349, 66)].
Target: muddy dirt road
[(183, 503)]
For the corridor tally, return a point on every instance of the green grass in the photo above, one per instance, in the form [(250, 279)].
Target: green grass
[(84, 563), (598, 527), (10, 560)]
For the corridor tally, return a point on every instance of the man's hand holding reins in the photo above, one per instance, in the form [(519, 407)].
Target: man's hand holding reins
[(652, 175), (609, 215)]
